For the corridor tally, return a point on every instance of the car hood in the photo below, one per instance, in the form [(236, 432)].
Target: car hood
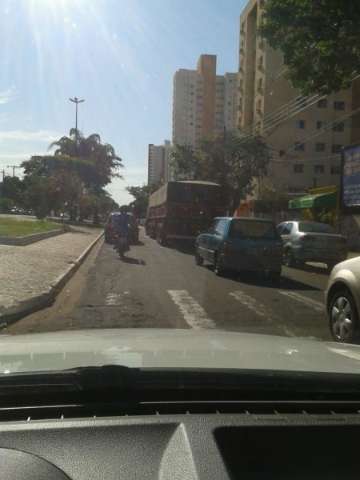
[(156, 348)]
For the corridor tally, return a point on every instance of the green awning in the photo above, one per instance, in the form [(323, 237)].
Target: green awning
[(320, 200)]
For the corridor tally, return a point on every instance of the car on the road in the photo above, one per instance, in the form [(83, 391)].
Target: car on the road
[(342, 300), (133, 228), (307, 241), (241, 244)]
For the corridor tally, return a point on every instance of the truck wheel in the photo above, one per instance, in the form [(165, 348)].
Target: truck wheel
[(218, 268), (198, 258)]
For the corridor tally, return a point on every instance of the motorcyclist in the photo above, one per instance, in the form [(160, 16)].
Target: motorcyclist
[(121, 225)]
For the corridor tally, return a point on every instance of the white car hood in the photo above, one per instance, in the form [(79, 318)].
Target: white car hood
[(155, 348)]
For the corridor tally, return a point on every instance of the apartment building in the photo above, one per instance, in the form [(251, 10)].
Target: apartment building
[(159, 163), (306, 134), (203, 102)]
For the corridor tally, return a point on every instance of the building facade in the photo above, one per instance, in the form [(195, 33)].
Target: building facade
[(305, 134), (159, 163), (203, 102)]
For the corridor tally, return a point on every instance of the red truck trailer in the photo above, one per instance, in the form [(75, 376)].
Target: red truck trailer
[(181, 210)]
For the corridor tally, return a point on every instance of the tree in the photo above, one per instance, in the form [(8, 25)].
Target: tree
[(141, 195), (37, 196), (73, 178), (13, 189), (230, 160), (99, 161), (185, 162), (319, 40)]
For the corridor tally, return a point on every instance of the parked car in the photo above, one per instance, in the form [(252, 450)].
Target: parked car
[(342, 300), (133, 229), (306, 241), (249, 244)]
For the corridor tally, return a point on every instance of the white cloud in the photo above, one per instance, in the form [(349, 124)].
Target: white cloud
[(29, 136), (7, 95)]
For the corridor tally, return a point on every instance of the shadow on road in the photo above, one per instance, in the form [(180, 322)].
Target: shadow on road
[(139, 243), (133, 261), (257, 279), (184, 247)]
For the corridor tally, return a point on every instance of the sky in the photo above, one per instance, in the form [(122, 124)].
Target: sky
[(118, 55)]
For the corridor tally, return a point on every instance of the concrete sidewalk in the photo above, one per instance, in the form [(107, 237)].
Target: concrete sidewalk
[(31, 274)]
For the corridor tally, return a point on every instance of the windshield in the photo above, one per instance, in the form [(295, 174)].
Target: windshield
[(169, 171), (309, 227)]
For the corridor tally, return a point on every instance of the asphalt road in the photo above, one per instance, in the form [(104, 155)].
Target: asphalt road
[(162, 287)]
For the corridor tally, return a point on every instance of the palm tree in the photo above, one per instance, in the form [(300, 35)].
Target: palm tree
[(102, 157)]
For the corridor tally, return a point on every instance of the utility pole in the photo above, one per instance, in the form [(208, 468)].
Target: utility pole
[(76, 101), (3, 173), (14, 167)]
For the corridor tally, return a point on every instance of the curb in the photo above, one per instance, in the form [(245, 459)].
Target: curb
[(46, 298), (28, 239)]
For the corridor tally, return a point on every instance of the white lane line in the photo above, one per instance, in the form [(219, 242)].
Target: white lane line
[(319, 307), (250, 302), (259, 309), (115, 298), (111, 299), (193, 313)]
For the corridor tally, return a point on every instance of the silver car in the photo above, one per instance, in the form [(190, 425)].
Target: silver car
[(342, 300), (306, 241)]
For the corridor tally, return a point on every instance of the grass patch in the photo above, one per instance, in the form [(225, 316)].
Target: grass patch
[(18, 228)]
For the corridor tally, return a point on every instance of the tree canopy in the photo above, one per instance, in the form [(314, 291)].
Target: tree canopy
[(231, 160), (141, 195), (73, 178), (319, 40)]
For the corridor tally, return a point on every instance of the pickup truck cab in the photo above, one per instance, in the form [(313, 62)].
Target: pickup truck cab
[(250, 244)]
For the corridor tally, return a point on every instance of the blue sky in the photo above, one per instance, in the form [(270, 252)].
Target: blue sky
[(120, 55)]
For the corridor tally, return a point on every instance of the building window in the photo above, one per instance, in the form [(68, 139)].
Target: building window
[(319, 147), (299, 147), (258, 106), (339, 105), (299, 168), (335, 170), (300, 124), (339, 127), (322, 103), (319, 169), (336, 148), (319, 124), (260, 62)]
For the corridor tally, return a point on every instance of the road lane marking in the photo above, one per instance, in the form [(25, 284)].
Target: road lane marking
[(193, 313), (111, 299), (250, 302), (319, 307), (259, 309)]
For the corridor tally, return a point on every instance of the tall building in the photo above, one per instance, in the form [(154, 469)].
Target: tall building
[(306, 134), (159, 163), (203, 102)]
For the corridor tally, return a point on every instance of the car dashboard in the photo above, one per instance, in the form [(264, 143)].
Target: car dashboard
[(215, 442)]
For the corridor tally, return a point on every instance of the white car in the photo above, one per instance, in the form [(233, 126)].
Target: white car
[(342, 299)]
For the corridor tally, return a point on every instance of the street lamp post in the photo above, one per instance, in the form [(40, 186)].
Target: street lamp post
[(76, 101)]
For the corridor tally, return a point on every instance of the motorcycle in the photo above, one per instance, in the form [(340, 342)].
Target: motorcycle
[(121, 245)]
